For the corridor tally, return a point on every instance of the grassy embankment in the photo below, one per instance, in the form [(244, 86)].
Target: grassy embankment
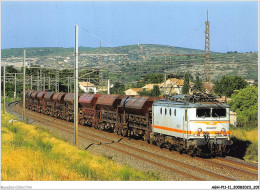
[(31, 153), (245, 144), (9, 99)]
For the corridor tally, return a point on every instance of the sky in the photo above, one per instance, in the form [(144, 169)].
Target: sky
[(233, 25)]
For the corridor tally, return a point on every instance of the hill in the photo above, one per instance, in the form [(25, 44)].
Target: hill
[(140, 60)]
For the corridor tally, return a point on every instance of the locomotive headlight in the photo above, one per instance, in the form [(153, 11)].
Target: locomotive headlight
[(199, 130), (224, 131)]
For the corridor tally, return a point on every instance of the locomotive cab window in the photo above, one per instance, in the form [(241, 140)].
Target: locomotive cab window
[(203, 112), (170, 112), (161, 110), (165, 111), (218, 112)]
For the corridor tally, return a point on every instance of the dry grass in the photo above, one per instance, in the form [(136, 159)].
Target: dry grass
[(245, 135), (29, 153), (250, 136)]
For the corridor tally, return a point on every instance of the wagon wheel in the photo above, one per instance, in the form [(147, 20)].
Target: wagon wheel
[(124, 132), (96, 126), (191, 152), (198, 152), (93, 124), (146, 137), (115, 129), (101, 127), (160, 142), (118, 130), (226, 151), (180, 148), (82, 121)]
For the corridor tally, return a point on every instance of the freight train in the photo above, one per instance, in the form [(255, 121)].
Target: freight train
[(195, 124)]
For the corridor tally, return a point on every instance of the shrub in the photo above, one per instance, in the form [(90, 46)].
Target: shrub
[(245, 104)]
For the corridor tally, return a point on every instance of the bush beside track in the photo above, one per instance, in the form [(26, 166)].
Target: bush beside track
[(31, 153)]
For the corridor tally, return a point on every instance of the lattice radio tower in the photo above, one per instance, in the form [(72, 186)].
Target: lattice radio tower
[(207, 52)]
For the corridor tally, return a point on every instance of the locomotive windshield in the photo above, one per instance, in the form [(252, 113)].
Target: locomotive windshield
[(203, 112), (206, 112), (218, 112)]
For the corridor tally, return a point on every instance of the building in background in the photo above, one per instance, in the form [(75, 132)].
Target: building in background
[(88, 87), (149, 87), (173, 86), (133, 91), (233, 118)]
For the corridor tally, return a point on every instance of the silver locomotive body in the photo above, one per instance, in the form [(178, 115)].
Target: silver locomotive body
[(195, 127)]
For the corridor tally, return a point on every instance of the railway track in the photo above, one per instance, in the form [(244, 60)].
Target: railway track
[(233, 163), (192, 170)]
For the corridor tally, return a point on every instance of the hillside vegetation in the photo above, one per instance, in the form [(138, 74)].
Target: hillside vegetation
[(139, 61), (30, 153)]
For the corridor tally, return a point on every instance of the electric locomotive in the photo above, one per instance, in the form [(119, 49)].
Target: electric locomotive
[(194, 124)]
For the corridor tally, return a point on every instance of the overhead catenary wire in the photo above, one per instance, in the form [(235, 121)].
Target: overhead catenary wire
[(99, 39)]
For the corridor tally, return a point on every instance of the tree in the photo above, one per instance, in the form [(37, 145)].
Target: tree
[(227, 84), (144, 93), (245, 104), (154, 78), (118, 88), (185, 88), (198, 86), (154, 92)]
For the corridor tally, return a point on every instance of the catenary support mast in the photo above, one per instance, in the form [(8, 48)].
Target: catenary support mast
[(76, 88)]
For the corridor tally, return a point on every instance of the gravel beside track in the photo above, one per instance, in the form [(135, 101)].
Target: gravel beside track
[(169, 164)]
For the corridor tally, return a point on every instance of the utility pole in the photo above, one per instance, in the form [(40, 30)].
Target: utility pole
[(108, 86), (57, 80), (49, 83), (31, 83), (15, 85), (76, 88), (207, 52), (71, 84), (38, 81), (24, 55), (164, 84), (43, 82), (68, 84), (4, 89)]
